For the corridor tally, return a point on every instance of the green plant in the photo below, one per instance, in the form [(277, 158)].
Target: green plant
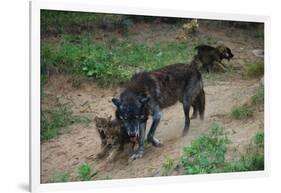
[(167, 166), (56, 116), (85, 172), (242, 112), (113, 61), (254, 70), (259, 95), (62, 177), (206, 153), (252, 159)]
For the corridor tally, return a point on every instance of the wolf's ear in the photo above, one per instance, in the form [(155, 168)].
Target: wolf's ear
[(116, 102), (144, 100)]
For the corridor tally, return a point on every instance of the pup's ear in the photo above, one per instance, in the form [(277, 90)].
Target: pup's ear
[(116, 102), (144, 100)]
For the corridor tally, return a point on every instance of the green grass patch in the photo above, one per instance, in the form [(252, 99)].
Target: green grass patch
[(206, 153), (55, 117), (252, 159), (85, 171), (114, 61), (254, 70), (167, 166), (242, 112), (258, 97)]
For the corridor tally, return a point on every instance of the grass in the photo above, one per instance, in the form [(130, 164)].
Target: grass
[(167, 166), (206, 154), (254, 70), (55, 117), (85, 172), (258, 97), (242, 112), (62, 177), (252, 159), (113, 61)]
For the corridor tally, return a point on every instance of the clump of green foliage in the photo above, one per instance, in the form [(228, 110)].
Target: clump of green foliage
[(167, 166), (254, 70), (252, 159), (61, 177), (85, 172), (55, 117), (111, 62), (242, 112), (206, 153), (258, 97)]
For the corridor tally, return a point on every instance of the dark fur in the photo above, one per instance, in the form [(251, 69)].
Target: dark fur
[(149, 92), (209, 56)]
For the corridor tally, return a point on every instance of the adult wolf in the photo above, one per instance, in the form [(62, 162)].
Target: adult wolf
[(149, 92)]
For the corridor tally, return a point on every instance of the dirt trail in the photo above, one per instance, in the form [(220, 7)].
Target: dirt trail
[(81, 144)]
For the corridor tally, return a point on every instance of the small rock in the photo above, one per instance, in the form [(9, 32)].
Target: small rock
[(258, 53)]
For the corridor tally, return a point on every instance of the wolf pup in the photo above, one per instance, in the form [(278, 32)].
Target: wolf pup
[(112, 137), (209, 56), (149, 92)]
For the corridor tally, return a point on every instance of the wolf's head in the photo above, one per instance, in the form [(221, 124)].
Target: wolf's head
[(131, 111), (225, 52)]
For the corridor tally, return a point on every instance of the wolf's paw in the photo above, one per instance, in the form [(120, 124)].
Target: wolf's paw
[(136, 155), (154, 141)]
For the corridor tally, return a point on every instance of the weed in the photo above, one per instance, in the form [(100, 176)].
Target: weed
[(114, 61), (55, 117), (242, 112), (254, 70), (206, 153), (85, 172), (258, 98), (167, 166)]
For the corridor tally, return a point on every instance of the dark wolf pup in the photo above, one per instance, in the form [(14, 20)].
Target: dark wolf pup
[(209, 56), (149, 92)]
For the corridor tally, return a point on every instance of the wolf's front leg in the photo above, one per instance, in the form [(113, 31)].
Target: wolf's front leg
[(140, 151), (156, 119)]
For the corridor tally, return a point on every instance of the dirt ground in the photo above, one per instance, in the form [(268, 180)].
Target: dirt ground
[(82, 143)]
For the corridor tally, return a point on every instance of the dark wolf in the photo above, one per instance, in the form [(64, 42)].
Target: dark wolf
[(149, 92), (209, 56)]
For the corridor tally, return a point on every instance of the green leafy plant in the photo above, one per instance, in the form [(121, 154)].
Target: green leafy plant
[(167, 166), (55, 117), (85, 172), (206, 153), (242, 112), (254, 70)]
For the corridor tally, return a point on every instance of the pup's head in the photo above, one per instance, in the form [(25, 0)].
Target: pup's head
[(108, 132), (225, 52), (131, 111)]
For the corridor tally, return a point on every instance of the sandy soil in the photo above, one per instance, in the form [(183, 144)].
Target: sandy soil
[(81, 143)]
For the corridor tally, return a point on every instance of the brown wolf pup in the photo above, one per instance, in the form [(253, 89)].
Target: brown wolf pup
[(149, 92), (112, 137), (209, 56)]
